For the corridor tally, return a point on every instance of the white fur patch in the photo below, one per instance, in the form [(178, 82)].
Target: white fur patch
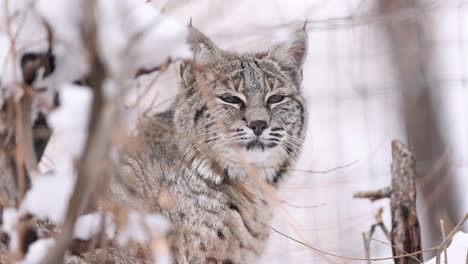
[(203, 167), (257, 156)]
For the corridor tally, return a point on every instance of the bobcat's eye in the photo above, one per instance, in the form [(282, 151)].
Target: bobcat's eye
[(275, 99), (231, 99)]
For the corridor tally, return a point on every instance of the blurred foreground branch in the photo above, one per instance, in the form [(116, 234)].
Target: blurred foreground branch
[(21, 142), (97, 142)]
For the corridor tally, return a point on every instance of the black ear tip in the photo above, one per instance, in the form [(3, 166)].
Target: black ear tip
[(190, 23)]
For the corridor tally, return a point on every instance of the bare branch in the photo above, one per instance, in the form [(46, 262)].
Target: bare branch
[(351, 258), (25, 136), (96, 145), (448, 239), (386, 243), (326, 171), (375, 195), (162, 67), (442, 228), (439, 248), (406, 234), (366, 247), (369, 237)]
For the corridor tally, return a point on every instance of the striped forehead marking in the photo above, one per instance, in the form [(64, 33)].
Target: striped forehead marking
[(243, 74)]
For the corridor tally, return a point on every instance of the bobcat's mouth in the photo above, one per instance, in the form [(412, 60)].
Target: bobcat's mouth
[(270, 138), (258, 144), (255, 144)]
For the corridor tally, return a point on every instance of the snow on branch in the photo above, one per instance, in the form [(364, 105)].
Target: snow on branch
[(45, 47)]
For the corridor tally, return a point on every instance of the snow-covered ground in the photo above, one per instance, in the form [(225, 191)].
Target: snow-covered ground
[(457, 252)]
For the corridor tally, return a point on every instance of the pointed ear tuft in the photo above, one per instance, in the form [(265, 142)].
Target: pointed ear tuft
[(204, 50), (304, 27), (292, 51)]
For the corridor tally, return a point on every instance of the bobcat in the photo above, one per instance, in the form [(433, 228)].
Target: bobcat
[(210, 165)]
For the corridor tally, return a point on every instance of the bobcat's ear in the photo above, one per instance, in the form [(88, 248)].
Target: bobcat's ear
[(205, 53), (187, 75), (204, 50), (290, 54)]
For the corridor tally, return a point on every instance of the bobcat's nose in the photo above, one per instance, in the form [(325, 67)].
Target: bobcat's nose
[(258, 126)]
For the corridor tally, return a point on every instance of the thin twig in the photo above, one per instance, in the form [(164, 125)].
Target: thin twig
[(20, 124), (438, 248), (11, 39), (369, 237), (27, 140), (340, 23), (448, 239), (161, 67), (326, 171), (351, 258), (386, 243), (19, 151), (366, 247), (442, 228), (303, 206), (375, 195)]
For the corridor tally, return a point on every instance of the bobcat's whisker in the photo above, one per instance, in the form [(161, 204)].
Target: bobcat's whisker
[(298, 140)]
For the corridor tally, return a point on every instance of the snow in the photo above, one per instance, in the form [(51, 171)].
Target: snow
[(88, 226), (6, 68), (10, 218), (49, 197), (64, 16), (70, 121), (457, 252), (131, 34), (29, 37), (161, 253), (138, 227), (50, 194), (142, 228), (37, 251), (133, 31)]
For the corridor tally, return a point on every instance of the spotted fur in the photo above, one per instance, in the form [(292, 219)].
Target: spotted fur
[(203, 165)]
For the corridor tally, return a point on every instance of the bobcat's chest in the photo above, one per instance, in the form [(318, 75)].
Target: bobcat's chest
[(219, 225)]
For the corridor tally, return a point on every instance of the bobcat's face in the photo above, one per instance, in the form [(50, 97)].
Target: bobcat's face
[(244, 108), (262, 111)]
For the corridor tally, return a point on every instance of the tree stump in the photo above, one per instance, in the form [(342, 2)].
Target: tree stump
[(405, 235)]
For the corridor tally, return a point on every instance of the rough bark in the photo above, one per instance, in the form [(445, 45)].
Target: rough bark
[(405, 235)]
